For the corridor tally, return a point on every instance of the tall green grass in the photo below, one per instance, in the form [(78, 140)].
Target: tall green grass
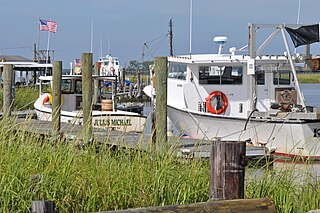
[(24, 97), (306, 78), (99, 177), (89, 180)]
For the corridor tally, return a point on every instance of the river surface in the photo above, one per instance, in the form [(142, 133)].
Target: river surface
[(312, 97)]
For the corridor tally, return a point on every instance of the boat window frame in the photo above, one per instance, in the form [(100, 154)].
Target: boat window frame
[(282, 81), (69, 89), (221, 74), (177, 71), (45, 86), (76, 90)]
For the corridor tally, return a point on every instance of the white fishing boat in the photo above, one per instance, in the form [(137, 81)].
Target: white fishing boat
[(244, 97), (109, 66), (104, 114)]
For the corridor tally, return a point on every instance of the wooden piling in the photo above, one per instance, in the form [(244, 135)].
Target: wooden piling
[(7, 89), (43, 206), (227, 164), (87, 93), (56, 97), (96, 84), (161, 70), (257, 205)]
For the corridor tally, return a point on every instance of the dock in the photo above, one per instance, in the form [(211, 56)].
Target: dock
[(184, 147)]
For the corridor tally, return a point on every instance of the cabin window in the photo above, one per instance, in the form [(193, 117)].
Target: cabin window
[(281, 77), (178, 71), (45, 86), (78, 87), (66, 86), (220, 75), (260, 78)]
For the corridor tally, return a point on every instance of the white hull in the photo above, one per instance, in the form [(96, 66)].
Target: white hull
[(287, 137), (119, 120)]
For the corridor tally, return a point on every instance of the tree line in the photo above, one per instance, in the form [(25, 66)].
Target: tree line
[(135, 65)]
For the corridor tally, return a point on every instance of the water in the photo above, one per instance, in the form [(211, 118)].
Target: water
[(311, 94)]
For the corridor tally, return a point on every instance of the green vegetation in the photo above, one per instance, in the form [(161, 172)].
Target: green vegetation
[(98, 177), (305, 78), (24, 98)]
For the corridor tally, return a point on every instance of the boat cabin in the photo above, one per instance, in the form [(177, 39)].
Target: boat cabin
[(71, 90)]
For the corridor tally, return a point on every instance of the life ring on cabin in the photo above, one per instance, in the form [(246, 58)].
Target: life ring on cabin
[(219, 108), (45, 99), (112, 69)]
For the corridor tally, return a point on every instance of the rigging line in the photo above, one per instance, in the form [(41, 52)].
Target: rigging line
[(155, 48), (157, 45), (164, 35), (255, 125), (12, 48), (197, 123)]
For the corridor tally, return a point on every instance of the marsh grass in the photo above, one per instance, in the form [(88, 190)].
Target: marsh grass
[(24, 97), (305, 78), (88, 180), (99, 177)]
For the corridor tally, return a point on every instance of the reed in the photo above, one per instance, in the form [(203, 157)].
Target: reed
[(306, 78), (24, 97), (99, 177), (90, 180)]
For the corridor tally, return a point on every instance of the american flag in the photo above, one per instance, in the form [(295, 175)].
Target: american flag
[(52, 26), (48, 26), (43, 25), (77, 62)]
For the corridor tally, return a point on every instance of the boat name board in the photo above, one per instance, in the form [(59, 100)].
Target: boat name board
[(112, 122)]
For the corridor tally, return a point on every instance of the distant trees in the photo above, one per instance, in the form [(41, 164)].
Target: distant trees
[(134, 65)]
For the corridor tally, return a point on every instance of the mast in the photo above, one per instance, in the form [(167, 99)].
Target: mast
[(190, 29), (171, 36)]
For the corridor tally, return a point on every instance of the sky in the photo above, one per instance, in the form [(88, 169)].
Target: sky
[(122, 27)]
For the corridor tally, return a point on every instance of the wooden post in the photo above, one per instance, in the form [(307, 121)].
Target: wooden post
[(161, 70), (308, 64), (123, 77), (87, 93), (256, 205), (56, 97), (96, 84), (43, 206), (7, 89), (227, 164)]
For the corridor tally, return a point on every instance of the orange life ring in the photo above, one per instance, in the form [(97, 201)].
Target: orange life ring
[(45, 99), (213, 95)]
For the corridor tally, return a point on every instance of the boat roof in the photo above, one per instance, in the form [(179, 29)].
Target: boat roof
[(107, 78), (226, 58), (21, 62)]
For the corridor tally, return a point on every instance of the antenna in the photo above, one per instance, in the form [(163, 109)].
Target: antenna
[(190, 33), (171, 36), (109, 51), (221, 41), (91, 36), (298, 20), (298, 16), (100, 47)]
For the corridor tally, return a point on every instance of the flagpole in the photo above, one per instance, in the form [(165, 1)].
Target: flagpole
[(38, 39), (48, 46)]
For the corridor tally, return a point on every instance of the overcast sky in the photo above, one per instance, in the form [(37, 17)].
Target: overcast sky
[(128, 24)]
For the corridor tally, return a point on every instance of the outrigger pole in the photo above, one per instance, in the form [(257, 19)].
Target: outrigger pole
[(253, 54)]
